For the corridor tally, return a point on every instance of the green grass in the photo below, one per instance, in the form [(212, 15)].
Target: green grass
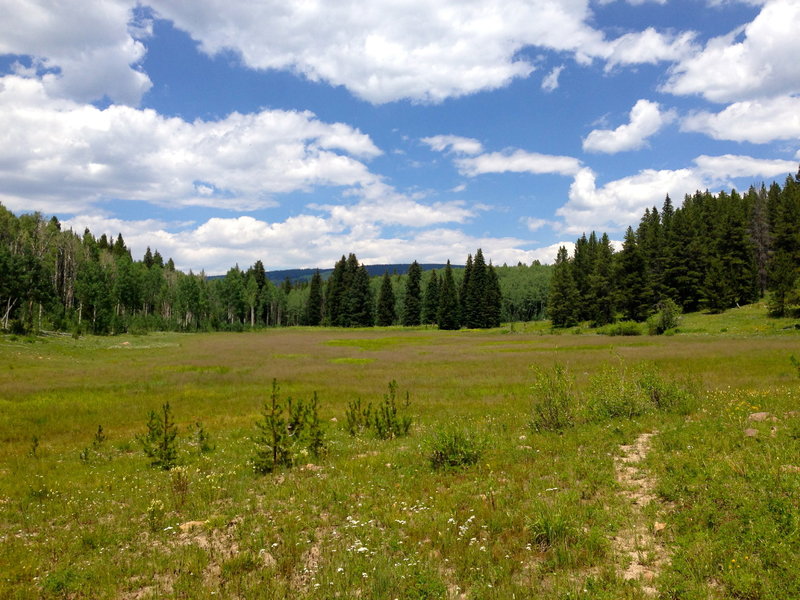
[(529, 515)]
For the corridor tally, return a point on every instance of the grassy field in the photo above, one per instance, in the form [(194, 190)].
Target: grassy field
[(540, 514)]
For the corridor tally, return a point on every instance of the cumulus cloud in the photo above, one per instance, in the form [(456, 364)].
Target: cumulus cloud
[(83, 50), (453, 143), (756, 61), (302, 241), (756, 121), (621, 202), (646, 119), (424, 51), (74, 154), (550, 82), (517, 161)]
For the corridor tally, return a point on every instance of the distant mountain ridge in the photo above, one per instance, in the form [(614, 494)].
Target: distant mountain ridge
[(300, 275)]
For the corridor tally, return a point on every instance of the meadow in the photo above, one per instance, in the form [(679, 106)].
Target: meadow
[(706, 507)]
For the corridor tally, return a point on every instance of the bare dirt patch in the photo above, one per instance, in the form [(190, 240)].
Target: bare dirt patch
[(638, 541)]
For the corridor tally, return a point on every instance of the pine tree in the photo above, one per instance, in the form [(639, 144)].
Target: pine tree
[(412, 301), (360, 300), (386, 300), (633, 285), (313, 314), (785, 265), (476, 308), (335, 291), (494, 298), (430, 300), (462, 293), (562, 302), (447, 317), (581, 270), (601, 285)]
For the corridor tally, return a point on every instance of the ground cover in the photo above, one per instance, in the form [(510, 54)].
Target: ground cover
[(538, 514)]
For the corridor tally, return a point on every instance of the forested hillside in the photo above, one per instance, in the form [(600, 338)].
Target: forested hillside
[(58, 280), (713, 253)]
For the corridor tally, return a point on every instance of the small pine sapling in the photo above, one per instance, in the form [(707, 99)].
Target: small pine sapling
[(388, 424), (359, 418), (160, 443)]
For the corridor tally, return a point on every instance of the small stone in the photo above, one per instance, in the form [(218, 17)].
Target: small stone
[(751, 432), (758, 417), (658, 527), (189, 525)]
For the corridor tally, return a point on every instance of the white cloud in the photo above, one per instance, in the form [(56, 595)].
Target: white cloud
[(646, 119), (453, 143), (621, 202), (719, 170), (535, 224), (757, 121), (60, 156), (425, 51), (303, 241), (550, 82), (517, 161), (82, 50), (649, 47), (756, 61)]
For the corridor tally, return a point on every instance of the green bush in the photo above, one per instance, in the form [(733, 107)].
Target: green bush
[(387, 422), (613, 393), (159, 443), (555, 403), (666, 318), (283, 438), (452, 446)]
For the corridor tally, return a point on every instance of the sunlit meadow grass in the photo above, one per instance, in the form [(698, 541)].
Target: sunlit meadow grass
[(532, 518)]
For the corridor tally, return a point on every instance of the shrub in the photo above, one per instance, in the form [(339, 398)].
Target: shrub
[(454, 447), (555, 403), (613, 393), (160, 443), (386, 421), (666, 317), (358, 417), (282, 439), (666, 396)]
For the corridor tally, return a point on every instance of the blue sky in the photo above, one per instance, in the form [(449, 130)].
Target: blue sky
[(224, 131)]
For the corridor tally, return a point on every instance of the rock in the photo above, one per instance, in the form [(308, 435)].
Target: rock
[(790, 468), (658, 527), (751, 432), (758, 417), (189, 525)]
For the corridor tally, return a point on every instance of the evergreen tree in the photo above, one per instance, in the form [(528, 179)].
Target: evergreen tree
[(360, 300), (412, 301), (335, 294), (785, 265), (601, 285), (581, 271), (494, 298), (430, 300), (462, 294), (634, 288), (386, 300), (447, 316), (313, 314), (562, 302), (474, 307)]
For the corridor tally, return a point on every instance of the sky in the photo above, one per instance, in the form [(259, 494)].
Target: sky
[(221, 132)]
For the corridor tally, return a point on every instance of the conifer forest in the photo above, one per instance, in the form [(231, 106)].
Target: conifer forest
[(713, 252)]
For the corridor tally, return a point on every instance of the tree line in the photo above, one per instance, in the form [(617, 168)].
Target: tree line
[(712, 253), (58, 280)]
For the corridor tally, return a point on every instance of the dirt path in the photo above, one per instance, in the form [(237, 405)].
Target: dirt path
[(638, 541)]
